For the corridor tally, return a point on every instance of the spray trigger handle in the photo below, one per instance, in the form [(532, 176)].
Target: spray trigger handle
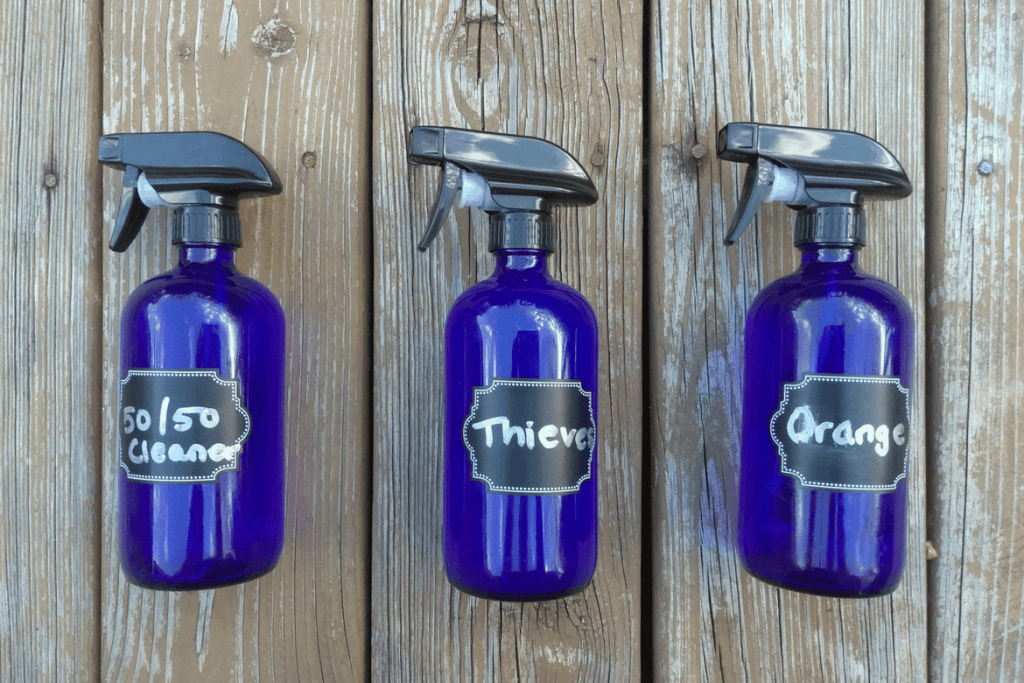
[(757, 185), (451, 184), (131, 213)]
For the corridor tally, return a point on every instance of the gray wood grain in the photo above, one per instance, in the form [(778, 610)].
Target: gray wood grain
[(976, 501), (292, 83), (855, 66), (568, 72), (49, 312)]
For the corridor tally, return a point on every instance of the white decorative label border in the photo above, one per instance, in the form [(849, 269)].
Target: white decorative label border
[(495, 383), (788, 386), (231, 465)]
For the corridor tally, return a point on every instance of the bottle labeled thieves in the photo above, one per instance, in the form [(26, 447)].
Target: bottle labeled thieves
[(827, 371), (521, 349), (201, 396)]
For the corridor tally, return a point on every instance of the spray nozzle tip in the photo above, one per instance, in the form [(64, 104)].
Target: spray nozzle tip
[(426, 145), (110, 150)]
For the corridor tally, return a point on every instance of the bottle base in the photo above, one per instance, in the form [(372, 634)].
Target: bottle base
[(822, 590), (195, 585), (520, 597)]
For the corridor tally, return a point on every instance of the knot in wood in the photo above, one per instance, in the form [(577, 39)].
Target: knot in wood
[(274, 39), (482, 20), (481, 61)]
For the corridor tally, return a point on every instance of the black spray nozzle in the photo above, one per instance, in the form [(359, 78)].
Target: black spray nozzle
[(808, 168), (502, 174), (197, 169)]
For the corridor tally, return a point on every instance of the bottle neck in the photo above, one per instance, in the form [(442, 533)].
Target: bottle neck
[(520, 262), (208, 254), (828, 255)]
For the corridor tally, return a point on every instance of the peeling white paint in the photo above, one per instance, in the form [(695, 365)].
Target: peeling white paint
[(228, 28), (275, 38)]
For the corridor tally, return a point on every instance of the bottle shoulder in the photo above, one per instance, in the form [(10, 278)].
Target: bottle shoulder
[(848, 290), (533, 299), (204, 288)]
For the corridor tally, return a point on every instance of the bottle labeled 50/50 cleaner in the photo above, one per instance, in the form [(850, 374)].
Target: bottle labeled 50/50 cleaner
[(201, 396)]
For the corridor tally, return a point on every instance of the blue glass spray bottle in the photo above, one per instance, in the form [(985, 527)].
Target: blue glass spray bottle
[(201, 396), (829, 349), (521, 350)]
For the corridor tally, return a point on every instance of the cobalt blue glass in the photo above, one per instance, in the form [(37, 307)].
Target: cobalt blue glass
[(518, 323), (205, 314), (827, 317)]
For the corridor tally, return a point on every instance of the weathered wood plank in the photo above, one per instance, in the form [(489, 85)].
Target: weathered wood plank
[(569, 72), (976, 502), (292, 82), (50, 310), (798, 62)]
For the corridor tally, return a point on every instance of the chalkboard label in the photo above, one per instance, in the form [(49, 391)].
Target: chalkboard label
[(531, 437), (180, 426), (843, 432)]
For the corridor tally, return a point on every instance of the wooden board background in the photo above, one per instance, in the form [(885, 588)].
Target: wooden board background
[(975, 253), (511, 68), (828, 65), (328, 90), (291, 83)]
